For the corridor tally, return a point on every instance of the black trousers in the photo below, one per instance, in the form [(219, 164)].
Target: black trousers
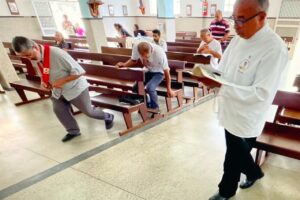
[(237, 160)]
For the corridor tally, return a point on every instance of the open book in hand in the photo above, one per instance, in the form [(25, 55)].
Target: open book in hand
[(206, 71)]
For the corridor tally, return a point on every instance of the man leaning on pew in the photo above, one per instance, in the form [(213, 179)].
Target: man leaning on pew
[(64, 76), (155, 60), (252, 64)]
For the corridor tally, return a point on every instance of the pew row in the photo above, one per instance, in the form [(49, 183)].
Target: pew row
[(109, 98), (282, 136), (176, 68), (188, 57)]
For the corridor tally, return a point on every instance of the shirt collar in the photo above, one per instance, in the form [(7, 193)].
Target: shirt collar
[(259, 33)]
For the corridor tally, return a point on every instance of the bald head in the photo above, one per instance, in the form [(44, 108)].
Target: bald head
[(218, 15), (258, 5)]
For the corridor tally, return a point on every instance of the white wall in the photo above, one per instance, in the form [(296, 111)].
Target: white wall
[(24, 6), (28, 26), (23, 24)]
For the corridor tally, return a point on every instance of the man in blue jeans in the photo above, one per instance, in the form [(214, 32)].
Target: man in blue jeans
[(155, 60)]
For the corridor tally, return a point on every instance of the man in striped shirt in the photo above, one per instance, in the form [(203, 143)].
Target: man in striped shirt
[(219, 27)]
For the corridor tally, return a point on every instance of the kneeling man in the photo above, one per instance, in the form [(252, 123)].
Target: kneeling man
[(155, 60)]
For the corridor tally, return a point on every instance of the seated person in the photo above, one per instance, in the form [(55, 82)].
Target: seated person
[(158, 40), (60, 41), (209, 45), (138, 32), (155, 60)]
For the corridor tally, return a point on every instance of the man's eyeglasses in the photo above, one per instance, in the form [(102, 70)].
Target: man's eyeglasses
[(241, 22)]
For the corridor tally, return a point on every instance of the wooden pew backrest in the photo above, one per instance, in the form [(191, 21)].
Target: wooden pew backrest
[(188, 57), (287, 99), (114, 73)]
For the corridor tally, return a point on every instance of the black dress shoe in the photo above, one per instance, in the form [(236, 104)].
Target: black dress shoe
[(69, 137), (217, 196), (248, 183), (109, 121)]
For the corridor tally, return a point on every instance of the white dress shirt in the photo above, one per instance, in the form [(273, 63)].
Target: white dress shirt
[(255, 66), (162, 43), (214, 45)]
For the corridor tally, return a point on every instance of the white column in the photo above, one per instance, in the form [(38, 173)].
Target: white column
[(7, 72)]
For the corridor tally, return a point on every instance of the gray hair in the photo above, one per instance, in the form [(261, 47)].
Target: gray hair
[(205, 31), (143, 47), (264, 4), (21, 44)]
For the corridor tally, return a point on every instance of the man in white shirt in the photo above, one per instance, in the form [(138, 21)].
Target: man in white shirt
[(158, 40), (211, 46), (155, 60), (253, 64)]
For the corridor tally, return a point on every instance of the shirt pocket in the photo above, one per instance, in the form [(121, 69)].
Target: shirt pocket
[(245, 73)]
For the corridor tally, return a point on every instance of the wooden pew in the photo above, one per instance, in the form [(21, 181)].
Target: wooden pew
[(117, 40), (197, 41), (77, 43), (45, 42), (15, 60), (183, 44), (186, 34), (32, 83), (109, 97), (279, 137), (288, 106), (182, 49), (188, 57), (176, 68)]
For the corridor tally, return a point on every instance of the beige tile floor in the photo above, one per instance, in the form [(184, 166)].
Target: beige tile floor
[(178, 159)]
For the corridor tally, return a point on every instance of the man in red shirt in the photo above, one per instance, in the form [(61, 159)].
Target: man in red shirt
[(219, 27)]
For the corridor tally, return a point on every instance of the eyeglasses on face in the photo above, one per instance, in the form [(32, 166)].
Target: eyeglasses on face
[(241, 22)]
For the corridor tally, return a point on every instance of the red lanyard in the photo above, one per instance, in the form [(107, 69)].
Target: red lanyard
[(45, 70)]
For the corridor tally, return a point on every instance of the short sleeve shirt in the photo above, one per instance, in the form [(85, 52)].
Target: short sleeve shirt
[(63, 65), (157, 62), (219, 28), (215, 46)]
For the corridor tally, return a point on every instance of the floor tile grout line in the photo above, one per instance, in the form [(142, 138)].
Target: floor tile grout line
[(10, 190), (42, 155), (106, 182)]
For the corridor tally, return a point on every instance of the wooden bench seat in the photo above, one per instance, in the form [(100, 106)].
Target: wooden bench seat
[(109, 82), (287, 100), (109, 97), (282, 136), (30, 85), (278, 139)]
